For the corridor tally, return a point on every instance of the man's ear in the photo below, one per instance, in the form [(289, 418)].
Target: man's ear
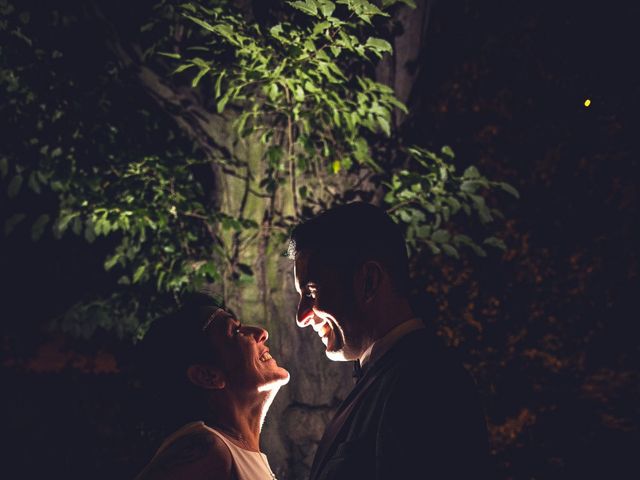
[(206, 376), (372, 278)]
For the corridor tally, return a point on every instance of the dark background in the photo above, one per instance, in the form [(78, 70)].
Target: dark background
[(547, 328)]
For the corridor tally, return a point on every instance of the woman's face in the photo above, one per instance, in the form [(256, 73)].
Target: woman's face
[(244, 357)]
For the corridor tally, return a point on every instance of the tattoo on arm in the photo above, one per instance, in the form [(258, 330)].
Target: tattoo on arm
[(185, 450)]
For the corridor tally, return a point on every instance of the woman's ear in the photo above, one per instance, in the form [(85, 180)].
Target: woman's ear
[(206, 376)]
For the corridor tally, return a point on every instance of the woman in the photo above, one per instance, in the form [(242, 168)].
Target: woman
[(217, 379)]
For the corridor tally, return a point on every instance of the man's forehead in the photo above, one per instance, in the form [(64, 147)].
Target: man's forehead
[(310, 265), (304, 261)]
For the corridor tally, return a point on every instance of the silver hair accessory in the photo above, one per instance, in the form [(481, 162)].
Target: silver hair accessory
[(211, 318)]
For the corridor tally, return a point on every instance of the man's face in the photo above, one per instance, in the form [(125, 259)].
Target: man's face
[(243, 354), (326, 304)]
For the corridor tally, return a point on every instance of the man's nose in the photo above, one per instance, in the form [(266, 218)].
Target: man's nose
[(304, 315)]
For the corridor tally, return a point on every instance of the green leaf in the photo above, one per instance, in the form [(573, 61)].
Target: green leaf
[(509, 189), (320, 27), (310, 87), (202, 23), (170, 55), (346, 163), (495, 242), (275, 154), (446, 150), (384, 125), (388, 3), (273, 92), (218, 87), (138, 273), (326, 7), (111, 261), (89, 232), (441, 236), (309, 7), (189, 6), (469, 186), (276, 31), (361, 150), (298, 94), (471, 173), (37, 229), (14, 186), (201, 73), (223, 102), (379, 44), (11, 222), (4, 167), (335, 166), (309, 45), (450, 250), (33, 183), (182, 68), (398, 104), (63, 222)]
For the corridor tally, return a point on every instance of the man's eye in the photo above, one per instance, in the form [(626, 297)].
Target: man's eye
[(236, 330)]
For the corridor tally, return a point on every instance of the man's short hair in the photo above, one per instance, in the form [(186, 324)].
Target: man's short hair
[(348, 235)]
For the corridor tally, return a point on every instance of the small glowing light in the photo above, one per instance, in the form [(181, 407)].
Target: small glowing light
[(587, 102)]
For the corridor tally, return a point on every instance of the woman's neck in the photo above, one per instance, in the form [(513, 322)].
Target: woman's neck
[(240, 420)]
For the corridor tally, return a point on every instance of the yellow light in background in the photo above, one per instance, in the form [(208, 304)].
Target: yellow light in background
[(587, 102)]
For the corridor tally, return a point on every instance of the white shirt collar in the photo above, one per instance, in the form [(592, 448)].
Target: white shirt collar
[(383, 344)]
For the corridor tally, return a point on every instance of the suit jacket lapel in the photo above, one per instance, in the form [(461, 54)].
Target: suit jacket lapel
[(344, 411)]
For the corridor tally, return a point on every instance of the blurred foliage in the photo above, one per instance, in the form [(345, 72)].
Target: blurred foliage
[(548, 327), (301, 84)]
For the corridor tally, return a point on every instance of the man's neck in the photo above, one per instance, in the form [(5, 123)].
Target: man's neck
[(389, 318), (385, 321)]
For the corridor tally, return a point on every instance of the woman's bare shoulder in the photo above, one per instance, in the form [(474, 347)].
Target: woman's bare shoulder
[(196, 455)]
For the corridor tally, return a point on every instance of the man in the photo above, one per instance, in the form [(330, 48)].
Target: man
[(414, 413), (215, 379)]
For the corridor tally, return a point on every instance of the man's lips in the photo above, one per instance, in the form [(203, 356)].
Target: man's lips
[(322, 328)]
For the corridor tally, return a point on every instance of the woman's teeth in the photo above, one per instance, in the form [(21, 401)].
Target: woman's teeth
[(265, 356)]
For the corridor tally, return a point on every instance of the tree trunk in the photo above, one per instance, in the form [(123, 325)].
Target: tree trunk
[(400, 70), (300, 412)]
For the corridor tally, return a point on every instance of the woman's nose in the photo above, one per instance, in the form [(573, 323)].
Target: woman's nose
[(258, 333)]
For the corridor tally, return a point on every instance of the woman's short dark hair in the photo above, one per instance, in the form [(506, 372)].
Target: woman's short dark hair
[(172, 344), (348, 235)]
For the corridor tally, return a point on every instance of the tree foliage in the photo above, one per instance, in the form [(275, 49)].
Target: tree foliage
[(297, 90)]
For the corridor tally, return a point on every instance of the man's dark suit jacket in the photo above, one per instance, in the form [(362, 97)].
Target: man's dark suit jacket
[(414, 414)]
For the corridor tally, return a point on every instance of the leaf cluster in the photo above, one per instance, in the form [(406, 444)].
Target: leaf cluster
[(429, 196)]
